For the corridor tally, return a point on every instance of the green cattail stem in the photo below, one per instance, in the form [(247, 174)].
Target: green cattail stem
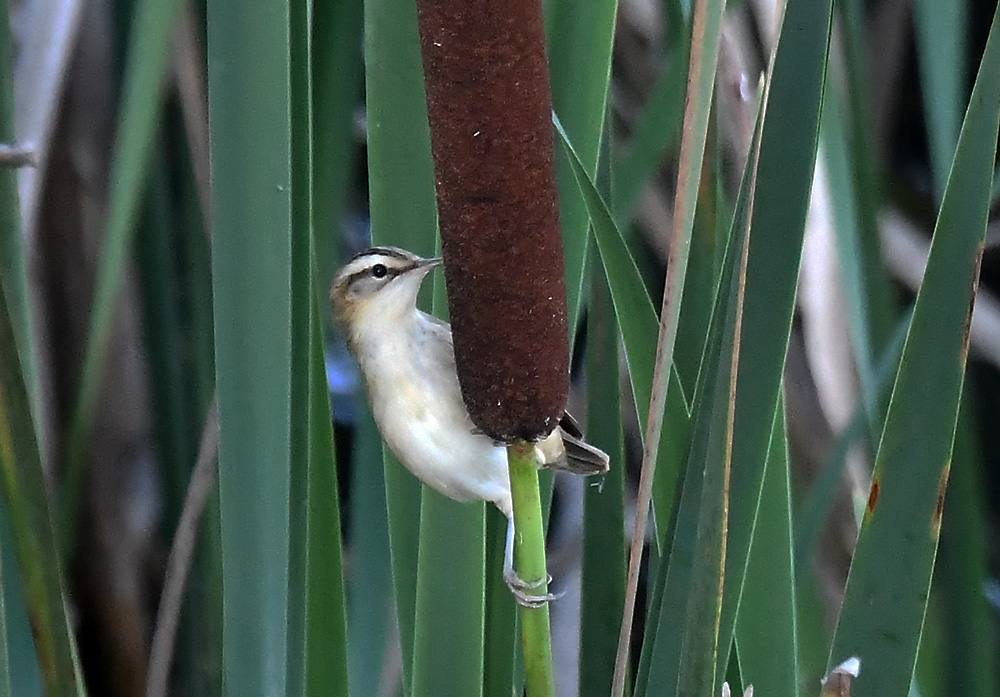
[(529, 554)]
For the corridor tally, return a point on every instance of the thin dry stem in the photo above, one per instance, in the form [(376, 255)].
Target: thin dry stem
[(692, 147), (161, 653)]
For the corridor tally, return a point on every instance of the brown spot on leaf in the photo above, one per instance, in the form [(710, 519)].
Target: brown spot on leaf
[(873, 494), (972, 301), (939, 507)]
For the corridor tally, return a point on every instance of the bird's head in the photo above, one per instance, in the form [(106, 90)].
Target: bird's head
[(378, 285)]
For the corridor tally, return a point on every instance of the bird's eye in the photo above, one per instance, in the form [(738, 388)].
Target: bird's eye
[(379, 271)]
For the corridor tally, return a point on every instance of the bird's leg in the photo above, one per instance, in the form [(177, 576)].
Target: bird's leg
[(518, 586)]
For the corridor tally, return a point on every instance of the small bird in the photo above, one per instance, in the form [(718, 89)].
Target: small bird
[(407, 359)]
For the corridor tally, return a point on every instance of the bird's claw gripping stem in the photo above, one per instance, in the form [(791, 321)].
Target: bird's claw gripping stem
[(520, 588)]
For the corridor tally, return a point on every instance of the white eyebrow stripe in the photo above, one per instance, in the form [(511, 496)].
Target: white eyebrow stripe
[(362, 265), (391, 252)]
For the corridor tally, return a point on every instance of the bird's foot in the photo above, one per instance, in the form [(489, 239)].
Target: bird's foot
[(522, 590)]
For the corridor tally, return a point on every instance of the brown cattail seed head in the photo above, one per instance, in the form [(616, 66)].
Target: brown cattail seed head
[(491, 134)]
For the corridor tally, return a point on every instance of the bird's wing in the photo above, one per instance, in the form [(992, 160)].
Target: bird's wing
[(442, 343), (438, 324)]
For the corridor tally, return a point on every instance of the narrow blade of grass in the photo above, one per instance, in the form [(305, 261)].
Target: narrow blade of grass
[(766, 628), (969, 640), (654, 599), (31, 524), (637, 322), (326, 667), (886, 594), (787, 157), (403, 502), (580, 37), (448, 645), (500, 646), (303, 432), (369, 598), (337, 63), (700, 645), (252, 215), (25, 674), (941, 51), (604, 552), (878, 302), (708, 241), (662, 657), (317, 641), (734, 674)]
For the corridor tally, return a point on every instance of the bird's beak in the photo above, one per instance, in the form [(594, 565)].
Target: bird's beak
[(431, 263)]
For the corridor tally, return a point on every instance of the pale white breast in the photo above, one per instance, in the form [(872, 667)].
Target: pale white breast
[(418, 407)]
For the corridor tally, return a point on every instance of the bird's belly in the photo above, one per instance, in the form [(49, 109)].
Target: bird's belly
[(436, 443)]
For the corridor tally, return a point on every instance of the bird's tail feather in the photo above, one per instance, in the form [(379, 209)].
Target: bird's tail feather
[(583, 458), (565, 450)]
